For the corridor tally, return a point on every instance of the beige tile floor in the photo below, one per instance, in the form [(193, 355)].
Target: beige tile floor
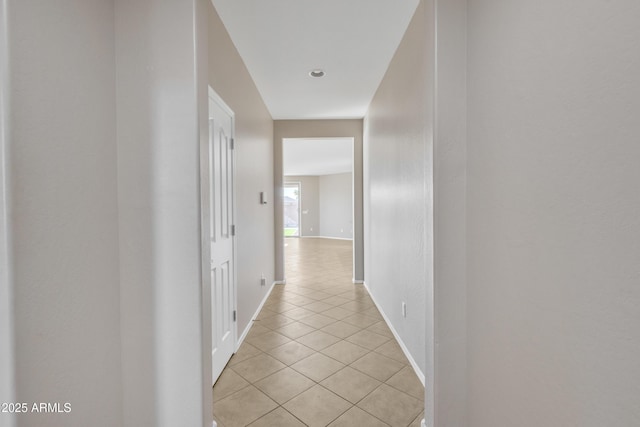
[(319, 353)]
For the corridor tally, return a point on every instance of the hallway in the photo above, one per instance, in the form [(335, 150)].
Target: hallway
[(319, 353)]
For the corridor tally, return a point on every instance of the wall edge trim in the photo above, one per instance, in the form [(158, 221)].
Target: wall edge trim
[(7, 323), (253, 318), (404, 348), (325, 237)]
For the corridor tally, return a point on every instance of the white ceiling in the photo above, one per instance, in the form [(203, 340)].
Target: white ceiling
[(281, 41), (317, 156)]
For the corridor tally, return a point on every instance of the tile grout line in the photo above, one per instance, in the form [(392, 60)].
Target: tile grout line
[(358, 303)]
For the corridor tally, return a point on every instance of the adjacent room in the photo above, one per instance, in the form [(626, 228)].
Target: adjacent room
[(318, 190)]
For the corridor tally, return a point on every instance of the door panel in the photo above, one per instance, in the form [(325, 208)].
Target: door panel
[(221, 197)]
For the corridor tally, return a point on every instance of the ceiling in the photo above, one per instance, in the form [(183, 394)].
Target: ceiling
[(317, 156), (281, 41)]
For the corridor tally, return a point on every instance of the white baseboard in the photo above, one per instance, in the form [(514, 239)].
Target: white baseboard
[(326, 237), (358, 282), (414, 365), (280, 282), (214, 424), (423, 423), (246, 330)]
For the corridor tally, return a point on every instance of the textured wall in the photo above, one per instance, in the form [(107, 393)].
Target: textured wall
[(553, 220), (449, 210), (398, 190), (309, 197), (336, 206), (63, 217), (254, 168)]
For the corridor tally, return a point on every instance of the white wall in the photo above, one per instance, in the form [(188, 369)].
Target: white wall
[(62, 172), (398, 181), (254, 168), (449, 210), (162, 121), (336, 205), (553, 224), (328, 203), (310, 203)]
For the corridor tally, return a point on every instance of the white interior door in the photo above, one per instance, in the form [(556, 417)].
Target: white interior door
[(221, 233)]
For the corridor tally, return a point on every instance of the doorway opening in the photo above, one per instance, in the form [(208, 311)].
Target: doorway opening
[(292, 209), (318, 188)]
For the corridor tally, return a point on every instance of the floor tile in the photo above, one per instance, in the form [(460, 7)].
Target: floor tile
[(295, 330), (345, 352), (300, 290), (278, 289), (258, 367), (361, 320), (318, 306), (348, 295), (318, 340), (368, 339), (317, 366), (341, 329), (358, 305), (350, 384), (407, 381), (373, 312), (284, 385), (267, 341), (377, 366), (336, 300), (243, 407), (274, 322), (335, 287), (317, 407), (279, 417), (392, 350), (417, 422), (291, 352), (299, 313), (356, 417), (381, 328), (228, 383), (318, 295), (265, 314), (257, 329), (217, 420), (318, 321), (349, 350), (280, 306), (392, 406), (337, 313), (298, 300), (245, 351)]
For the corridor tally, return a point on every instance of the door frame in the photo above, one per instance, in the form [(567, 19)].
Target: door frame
[(206, 221), (341, 128)]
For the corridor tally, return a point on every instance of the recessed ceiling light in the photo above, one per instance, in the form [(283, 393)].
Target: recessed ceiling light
[(317, 73)]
